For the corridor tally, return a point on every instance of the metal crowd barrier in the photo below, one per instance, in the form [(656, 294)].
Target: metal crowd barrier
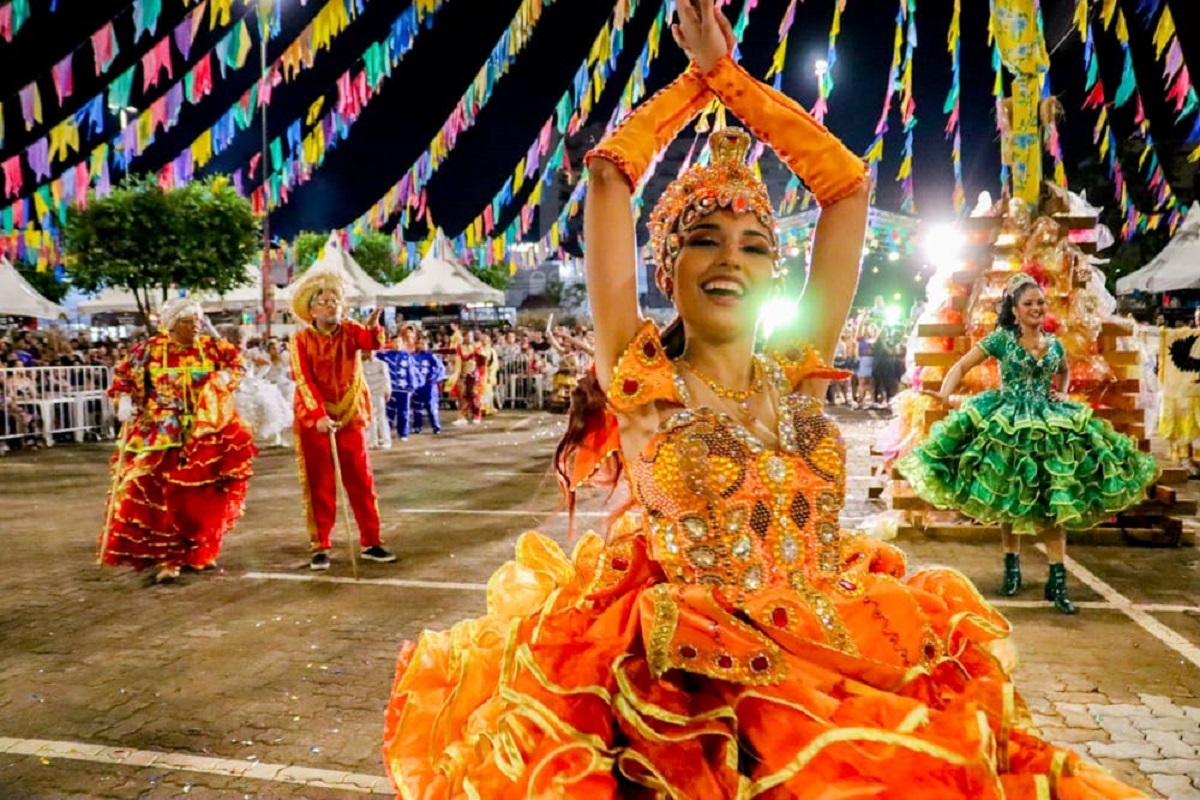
[(44, 402), (520, 383)]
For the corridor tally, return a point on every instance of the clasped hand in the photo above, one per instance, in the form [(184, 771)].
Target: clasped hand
[(702, 32)]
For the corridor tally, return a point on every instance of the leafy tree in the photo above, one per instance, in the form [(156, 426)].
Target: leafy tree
[(374, 254), (554, 290), (308, 249), (45, 283), (574, 295), (496, 276), (139, 238)]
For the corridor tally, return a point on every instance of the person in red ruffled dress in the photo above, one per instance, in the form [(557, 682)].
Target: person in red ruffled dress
[(187, 454)]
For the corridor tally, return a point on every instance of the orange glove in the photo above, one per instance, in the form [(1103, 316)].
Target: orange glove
[(653, 125), (829, 168)]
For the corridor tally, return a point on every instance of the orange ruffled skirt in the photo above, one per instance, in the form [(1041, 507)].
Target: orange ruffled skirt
[(551, 694)]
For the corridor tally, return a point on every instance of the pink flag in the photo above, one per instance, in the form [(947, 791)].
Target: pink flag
[(13, 178), (64, 81), (157, 59), (31, 105), (104, 48)]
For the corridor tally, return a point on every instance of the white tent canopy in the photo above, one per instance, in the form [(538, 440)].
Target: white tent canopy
[(243, 298), (441, 279), (361, 288), (117, 301), (1176, 267), (19, 299)]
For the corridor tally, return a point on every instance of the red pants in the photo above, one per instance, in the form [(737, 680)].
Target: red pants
[(320, 493)]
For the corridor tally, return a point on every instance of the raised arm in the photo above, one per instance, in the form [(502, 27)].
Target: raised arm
[(834, 174), (610, 253)]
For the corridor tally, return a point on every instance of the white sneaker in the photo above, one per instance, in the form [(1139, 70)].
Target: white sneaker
[(461, 421)]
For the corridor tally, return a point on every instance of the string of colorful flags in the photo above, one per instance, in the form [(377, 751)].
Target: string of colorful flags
[(326, 127), (571, 113), (1164, 196), (407, 196), (85, 154), (953, 106), (13, 16), (104, 49), (550, 243), (149, 118)]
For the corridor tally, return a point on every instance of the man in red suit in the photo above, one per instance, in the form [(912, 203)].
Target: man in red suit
[(331, 395)]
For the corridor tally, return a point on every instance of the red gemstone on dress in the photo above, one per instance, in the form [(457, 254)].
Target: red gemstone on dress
[(630, 386), (724, 661), (620, 563), (687, 651), (930, 651), (779, 618), (649, 350), (759, 663), (847, 584)]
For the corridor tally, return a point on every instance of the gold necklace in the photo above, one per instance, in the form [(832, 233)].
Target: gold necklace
[(740, 396)]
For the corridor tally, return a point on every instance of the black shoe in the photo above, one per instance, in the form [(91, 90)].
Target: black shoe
[(1056, 589), (1012, 575), (320, 561), (377, 553)]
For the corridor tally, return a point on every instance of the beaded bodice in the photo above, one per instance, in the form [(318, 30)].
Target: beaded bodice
[(723, 508), (1020, 372)]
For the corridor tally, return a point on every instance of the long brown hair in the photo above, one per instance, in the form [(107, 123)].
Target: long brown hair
[(588, 415)]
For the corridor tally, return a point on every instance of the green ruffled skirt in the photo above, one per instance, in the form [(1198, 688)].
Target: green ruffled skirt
[(1021, 460)]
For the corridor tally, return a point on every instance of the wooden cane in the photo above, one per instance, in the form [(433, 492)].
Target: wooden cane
[(112, 493), (344, 501)]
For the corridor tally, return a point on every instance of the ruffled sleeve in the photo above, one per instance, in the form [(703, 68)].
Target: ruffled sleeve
[(994, 344), (643, 374), (801, 362)]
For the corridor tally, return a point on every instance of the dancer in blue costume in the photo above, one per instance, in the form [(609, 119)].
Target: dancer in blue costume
[(405, 380), (1023, 455), (430, 374)]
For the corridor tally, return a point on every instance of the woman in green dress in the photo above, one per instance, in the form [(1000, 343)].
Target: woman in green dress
[(1023, 456)]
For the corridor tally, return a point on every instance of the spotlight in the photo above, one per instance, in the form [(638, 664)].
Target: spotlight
[(779, 312), (943, 244)]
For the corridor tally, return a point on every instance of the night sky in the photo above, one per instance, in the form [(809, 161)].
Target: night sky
[(397, 127)]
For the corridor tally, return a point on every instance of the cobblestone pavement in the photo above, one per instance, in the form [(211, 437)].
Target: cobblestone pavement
[(264, 680)]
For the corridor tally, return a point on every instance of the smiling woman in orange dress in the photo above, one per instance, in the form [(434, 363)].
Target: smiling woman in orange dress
[(728, 640)]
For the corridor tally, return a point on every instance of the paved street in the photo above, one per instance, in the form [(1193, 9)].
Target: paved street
[(267, 681)]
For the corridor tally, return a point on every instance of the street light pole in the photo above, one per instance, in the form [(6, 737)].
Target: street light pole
[(268, 281)]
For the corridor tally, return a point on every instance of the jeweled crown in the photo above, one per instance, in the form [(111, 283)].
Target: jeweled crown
[(727, 181)]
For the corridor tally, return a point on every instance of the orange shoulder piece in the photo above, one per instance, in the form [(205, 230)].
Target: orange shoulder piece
[(800, 361), (643, 373)]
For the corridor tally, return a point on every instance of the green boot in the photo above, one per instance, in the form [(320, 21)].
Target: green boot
[(1012, 575), (1056, 589)]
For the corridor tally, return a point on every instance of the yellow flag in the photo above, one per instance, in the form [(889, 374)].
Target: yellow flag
[(1107, 11), (1164, 32), (314, 111), (519, 175), (202, 149), (64, 139), (219, 13)]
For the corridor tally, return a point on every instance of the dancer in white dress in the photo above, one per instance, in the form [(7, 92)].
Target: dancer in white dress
[(260, 402)]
